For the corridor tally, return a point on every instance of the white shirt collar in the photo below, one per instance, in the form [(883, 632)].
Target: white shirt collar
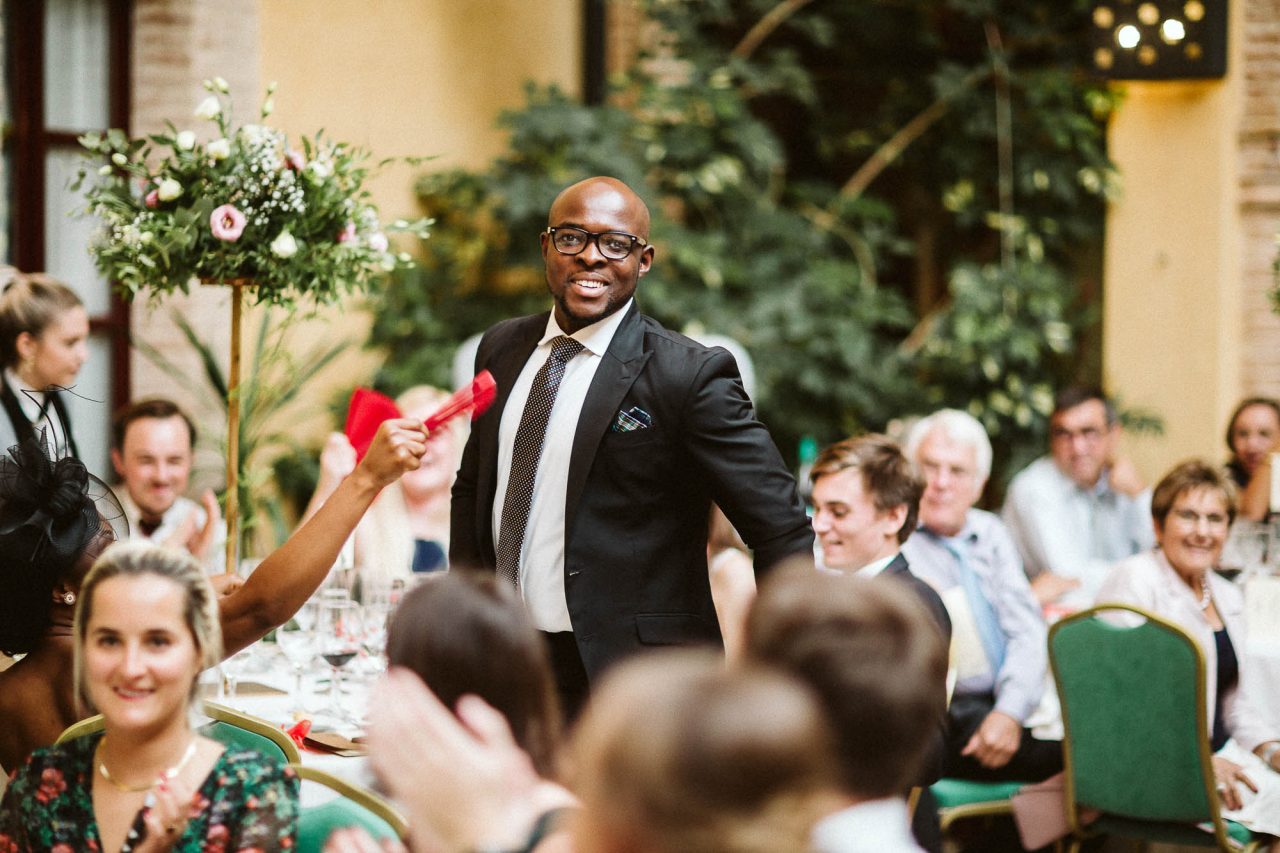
[(595, 337), (875, 567), (30, 407)]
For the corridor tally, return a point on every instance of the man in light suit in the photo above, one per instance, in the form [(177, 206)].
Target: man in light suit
[(607, 540)]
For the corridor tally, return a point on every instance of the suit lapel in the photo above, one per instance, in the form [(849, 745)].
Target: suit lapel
[(622, 363), (506, 363)]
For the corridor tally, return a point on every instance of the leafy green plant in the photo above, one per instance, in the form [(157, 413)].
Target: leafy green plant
[(269, 401), (244, 206), (892, 206)]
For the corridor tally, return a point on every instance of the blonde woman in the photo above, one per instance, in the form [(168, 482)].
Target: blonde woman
[(44, 334), (406, 531), (146, 625)]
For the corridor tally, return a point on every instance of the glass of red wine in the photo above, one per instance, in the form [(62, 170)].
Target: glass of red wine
[(338, 634)]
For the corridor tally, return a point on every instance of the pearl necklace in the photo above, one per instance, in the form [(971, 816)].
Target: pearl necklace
[(1205, 596), (136, 789)]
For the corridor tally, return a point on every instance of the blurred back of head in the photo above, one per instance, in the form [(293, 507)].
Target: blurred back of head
[(468, 632), (874, 657), (676, 754)]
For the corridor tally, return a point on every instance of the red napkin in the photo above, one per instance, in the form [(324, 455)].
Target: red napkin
[(299, 731), (365, 413), (368, 409)]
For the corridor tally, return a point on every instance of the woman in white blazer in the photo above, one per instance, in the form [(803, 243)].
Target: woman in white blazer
[(1192, 509)]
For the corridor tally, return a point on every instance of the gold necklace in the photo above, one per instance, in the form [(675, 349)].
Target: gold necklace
[(136, 789)]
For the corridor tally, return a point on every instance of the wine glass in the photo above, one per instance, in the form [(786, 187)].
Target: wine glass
[(374, 636), (296, 638), (233, 669), (338, 639)]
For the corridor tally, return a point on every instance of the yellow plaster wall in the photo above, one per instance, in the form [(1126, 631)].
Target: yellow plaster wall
[(414, 77), (408, 77), (1172, 309)]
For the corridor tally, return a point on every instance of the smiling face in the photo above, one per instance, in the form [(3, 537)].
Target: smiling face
[(951, 482), (140, 658), (1253, 435), (1194, 531), (588, 287), (154, 462), (1082, 442), (852, 532), (55, 356)]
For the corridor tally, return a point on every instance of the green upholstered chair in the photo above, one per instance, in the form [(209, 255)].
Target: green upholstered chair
[(237, 729), (960, 799), (354, 806), (1137, 738)]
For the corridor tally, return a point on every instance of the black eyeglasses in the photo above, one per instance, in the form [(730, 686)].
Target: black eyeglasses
[(614, 245)]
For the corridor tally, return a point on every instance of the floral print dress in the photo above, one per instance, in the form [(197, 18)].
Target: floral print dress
[(248, 802)]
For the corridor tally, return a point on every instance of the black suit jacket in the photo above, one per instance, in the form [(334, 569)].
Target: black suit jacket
[(936, 758), (638, 502)]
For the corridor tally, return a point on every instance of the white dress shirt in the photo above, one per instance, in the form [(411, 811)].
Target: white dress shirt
[(172, 519), (30, 402), (542, 554), (875, 826), (1074, 532)]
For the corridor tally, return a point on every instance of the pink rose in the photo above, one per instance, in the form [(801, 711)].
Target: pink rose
[(227, 223), (295, 161), (378, 241), (348, 233), (152, 199)]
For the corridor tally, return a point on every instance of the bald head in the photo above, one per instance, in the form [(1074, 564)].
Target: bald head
[(605, 193), (587, 284)]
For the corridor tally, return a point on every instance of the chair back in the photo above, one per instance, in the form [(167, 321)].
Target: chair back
[(88, 725), (1136, 745), (355, 806), (245, 731)]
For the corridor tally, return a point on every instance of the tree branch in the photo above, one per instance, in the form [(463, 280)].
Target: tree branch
[(766, 25), (908, 133)]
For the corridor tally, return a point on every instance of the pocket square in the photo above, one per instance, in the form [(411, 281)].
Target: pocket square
[(631, 420)]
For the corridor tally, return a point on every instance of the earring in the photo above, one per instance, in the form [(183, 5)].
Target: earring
[(68, 598)]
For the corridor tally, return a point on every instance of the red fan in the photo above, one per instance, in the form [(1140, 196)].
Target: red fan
[(368, 409), (475, 398)]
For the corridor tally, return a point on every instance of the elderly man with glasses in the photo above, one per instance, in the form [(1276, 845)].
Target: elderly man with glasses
[(589, 482)]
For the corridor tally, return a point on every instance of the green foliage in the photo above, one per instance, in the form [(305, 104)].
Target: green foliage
[(828, 192), (244, 206), (277, 372)]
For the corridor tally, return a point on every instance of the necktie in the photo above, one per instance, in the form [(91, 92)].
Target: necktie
[(984, 615), (525, 454)]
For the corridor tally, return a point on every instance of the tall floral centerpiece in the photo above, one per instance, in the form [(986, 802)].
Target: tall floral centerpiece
[(245, 209)]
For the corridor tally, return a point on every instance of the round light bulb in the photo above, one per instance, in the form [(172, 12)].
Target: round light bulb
[(1173, 31), (1128, 36)]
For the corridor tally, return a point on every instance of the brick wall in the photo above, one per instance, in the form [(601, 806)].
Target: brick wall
[(1259, 147)]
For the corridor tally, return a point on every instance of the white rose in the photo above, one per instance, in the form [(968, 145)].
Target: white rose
[(186, 140), (169, 189), (320, 169), (208, 109), (284, 246), (221, 85), (119, 159), (378, 241), (220, 149)]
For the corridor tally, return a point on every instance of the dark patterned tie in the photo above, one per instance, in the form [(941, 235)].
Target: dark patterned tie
[(526, 453)]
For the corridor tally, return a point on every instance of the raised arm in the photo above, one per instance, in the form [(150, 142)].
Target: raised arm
[(288, 577)]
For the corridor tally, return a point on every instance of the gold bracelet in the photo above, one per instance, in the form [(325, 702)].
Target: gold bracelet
[(1269, 752)]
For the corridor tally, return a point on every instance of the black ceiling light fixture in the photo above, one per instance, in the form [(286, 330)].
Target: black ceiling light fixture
[(1160, 39)]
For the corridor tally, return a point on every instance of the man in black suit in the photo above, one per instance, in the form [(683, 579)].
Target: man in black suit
[(603, 523), (865, 503)]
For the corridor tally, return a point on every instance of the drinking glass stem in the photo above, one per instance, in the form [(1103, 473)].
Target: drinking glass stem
[(334, 692)]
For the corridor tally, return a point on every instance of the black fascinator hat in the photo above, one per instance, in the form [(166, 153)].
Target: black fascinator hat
[(50, 512)]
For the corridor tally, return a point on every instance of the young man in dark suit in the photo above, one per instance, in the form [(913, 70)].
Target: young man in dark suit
[(866, 499), (589, 481)]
